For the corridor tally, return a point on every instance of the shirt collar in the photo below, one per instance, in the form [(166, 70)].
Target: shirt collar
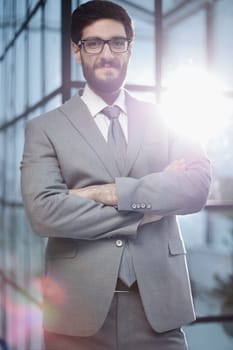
[(96, 104)]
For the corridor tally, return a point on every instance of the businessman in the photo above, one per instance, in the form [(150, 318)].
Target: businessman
[(103, 178)]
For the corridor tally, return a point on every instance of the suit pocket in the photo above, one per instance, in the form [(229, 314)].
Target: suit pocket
[(61, 248), (176, 247)]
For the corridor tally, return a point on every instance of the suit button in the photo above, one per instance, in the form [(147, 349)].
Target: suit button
[(134, 205), (119, 243), (138, 206), (148, 206), (143, 205)]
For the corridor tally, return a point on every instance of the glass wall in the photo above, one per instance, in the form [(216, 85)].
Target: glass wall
[(30, 68), (197, 100), (184, 64)]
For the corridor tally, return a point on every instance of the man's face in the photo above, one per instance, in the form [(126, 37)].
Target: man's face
[(105, 72)]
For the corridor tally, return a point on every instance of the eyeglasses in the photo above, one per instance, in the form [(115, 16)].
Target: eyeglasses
[(96, 45)]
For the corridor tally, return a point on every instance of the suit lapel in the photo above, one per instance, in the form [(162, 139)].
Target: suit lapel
[(78, 114), (136, 128)]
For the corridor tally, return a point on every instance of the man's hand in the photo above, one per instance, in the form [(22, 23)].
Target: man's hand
[(176, 165), (105, 194)]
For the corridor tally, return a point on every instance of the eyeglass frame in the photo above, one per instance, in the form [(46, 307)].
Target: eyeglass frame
[(81, 43)]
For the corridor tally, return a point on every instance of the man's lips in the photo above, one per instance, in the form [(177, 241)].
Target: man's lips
[(107, 65)]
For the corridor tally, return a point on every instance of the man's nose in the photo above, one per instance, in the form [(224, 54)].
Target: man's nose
[(106, 52)]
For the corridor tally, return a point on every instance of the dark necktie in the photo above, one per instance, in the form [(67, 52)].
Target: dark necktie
[(118, 145)]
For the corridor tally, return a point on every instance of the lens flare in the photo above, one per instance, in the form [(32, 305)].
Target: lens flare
[(194, 105)]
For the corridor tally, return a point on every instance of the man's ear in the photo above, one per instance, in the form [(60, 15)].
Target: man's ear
[(76, 51)]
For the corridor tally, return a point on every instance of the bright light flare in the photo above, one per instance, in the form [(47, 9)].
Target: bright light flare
[(194, 105)]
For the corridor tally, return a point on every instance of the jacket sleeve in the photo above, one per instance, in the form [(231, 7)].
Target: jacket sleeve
[(170, 192), (51, 210)]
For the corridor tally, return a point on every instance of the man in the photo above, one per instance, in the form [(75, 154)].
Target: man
[(105, 186)]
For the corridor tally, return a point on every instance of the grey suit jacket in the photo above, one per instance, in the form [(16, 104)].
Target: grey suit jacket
[(64, 149)]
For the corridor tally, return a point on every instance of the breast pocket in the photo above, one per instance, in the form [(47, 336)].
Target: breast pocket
[(150, 158)]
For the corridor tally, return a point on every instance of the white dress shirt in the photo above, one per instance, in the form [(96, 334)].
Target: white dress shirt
[(95, 104)]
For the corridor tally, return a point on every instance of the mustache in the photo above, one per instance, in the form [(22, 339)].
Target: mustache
[(110, 63)]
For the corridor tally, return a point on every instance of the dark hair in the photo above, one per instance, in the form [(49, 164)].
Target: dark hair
[(91, 11)]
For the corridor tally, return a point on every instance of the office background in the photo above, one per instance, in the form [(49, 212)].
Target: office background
[(182, 60)]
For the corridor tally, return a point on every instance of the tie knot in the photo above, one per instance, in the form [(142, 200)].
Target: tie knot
[(112, 112)]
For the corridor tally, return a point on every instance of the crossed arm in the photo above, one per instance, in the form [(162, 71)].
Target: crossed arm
[(107, 193)]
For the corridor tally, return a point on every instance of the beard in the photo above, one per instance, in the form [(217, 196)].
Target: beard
[(109, 84)]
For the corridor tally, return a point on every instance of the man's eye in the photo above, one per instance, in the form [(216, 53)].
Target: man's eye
[(92, 43), (118, 42)]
